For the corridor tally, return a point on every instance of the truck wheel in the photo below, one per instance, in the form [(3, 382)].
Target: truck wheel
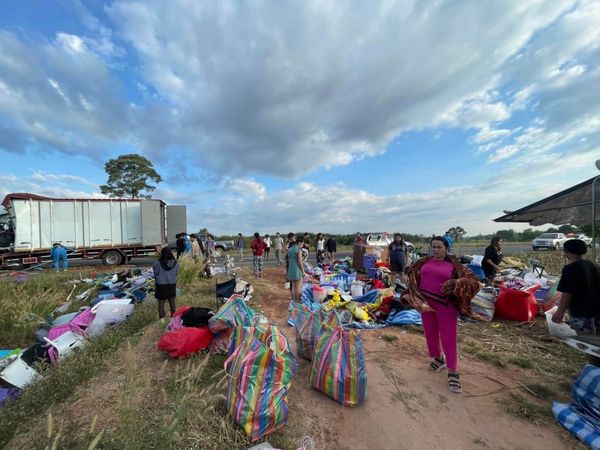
[(411, 249), (219, 252), (557, 247), (113, 258), (535, 249)]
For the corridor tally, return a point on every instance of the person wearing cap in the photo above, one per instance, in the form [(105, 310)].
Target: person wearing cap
[(579, 286)]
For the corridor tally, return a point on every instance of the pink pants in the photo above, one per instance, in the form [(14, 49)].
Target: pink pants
[(441, 325)]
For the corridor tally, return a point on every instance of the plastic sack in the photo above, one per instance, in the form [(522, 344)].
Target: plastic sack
[(338, 368), (558, 329), (519, 306), (260, 370), (308, 327), (186, 341), (235, 312), (96, 328)]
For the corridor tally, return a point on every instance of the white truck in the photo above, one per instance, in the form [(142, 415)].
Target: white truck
[(583, 237), (383, 240), (113, 230), (550, 241)]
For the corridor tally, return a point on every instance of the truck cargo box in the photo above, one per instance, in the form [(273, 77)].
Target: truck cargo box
[(84, 223)]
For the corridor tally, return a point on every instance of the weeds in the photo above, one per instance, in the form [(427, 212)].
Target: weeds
[(389, 337), (518, 406), (60, 382), (25, 306)]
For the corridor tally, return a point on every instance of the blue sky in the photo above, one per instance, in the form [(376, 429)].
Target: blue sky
[(406, 116)]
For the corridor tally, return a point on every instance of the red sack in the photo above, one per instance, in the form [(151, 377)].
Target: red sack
[(185, 341), (520, 306)]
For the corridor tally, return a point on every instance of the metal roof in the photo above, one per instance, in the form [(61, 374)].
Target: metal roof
[(571, 206)]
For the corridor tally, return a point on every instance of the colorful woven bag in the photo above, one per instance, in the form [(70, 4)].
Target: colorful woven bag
[(308, 327), (338, 367), (260, 371), (233, 313)]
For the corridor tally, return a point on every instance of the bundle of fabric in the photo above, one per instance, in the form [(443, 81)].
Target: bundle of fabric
[(185, 341), (582, 416), (483, 306)]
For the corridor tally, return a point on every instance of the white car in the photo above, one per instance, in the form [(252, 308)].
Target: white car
[(583, 237), (384, 239), (550, 241)]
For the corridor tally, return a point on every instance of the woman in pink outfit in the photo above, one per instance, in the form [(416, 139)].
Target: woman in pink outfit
[(441, 288)]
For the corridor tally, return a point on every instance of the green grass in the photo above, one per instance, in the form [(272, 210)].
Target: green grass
[(518, 406), (520, 361), (26, 305), (59, 383)]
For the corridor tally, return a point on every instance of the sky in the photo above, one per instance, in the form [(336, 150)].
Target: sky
[(410, 116)]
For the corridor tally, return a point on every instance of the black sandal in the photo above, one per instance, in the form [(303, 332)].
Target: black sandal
[(454, 383), (437, 364)]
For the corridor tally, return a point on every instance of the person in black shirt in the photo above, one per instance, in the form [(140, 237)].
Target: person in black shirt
[(579, 286), (397, 256), (331, 247), (492, 258), (180, 244)]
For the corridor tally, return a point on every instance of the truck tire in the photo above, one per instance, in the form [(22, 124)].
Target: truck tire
[(113, 258), (557, 246), (219, 251), (411, 249), (535, 249)]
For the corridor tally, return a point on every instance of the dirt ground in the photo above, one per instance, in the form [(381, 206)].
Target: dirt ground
[(408, 406)]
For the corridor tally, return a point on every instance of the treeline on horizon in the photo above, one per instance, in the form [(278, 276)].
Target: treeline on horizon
[(508, 235)]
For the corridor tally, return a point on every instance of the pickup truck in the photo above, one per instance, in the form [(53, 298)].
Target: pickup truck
[(383, 240), (583, 237), (550, 241)]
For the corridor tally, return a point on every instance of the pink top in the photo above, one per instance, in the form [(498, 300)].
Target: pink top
[(434, 273)]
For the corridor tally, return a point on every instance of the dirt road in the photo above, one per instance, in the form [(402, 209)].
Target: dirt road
[(407, 406)]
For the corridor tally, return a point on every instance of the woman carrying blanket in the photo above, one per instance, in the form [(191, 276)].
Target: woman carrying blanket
[(441, 288)]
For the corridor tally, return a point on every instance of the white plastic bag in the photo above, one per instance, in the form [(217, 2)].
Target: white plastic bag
[(477, 260), (558, 329)]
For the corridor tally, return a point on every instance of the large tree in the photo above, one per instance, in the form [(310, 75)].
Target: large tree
[(457, 233), (129, 175)]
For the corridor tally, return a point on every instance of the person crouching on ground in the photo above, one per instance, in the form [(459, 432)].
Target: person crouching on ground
[(441, 288), (258, 248), (579, 286), (59, 254), (295, 272), (165, 275)]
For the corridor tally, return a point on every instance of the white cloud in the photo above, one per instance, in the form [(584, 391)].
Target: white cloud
[(246, 187), (289, 89)]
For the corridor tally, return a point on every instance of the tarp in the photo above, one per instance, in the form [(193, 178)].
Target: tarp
[(571, 206)]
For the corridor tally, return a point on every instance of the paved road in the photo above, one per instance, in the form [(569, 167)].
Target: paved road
[(509, 249)]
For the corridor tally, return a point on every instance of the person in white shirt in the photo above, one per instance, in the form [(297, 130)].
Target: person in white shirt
[(320, 248), (278, 244), (267, 241)]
